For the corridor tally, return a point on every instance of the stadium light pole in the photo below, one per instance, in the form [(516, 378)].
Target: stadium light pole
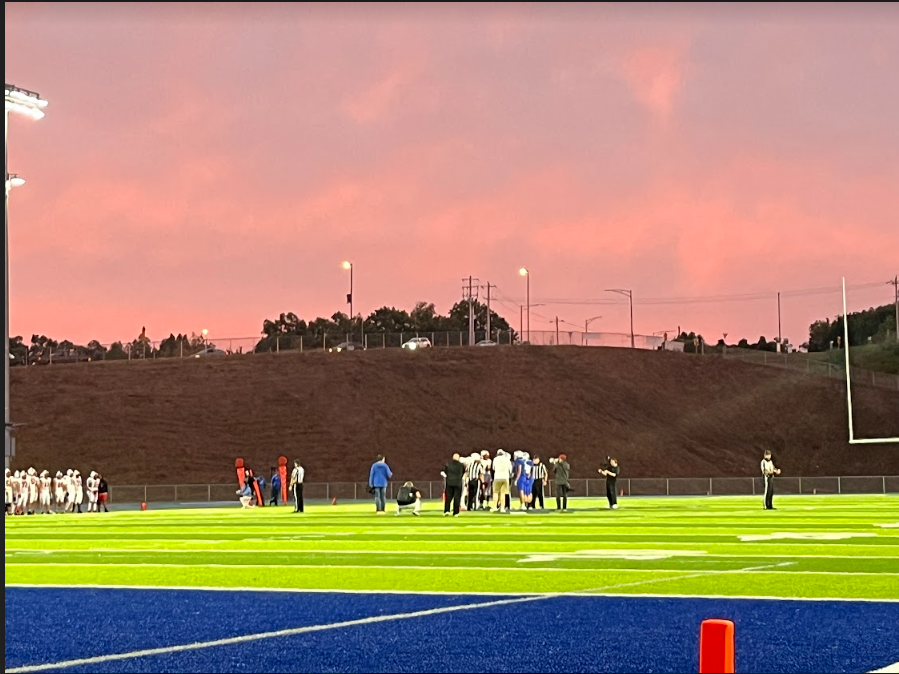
[(630, 296), (205, 338), (29, 104), (524, 271)]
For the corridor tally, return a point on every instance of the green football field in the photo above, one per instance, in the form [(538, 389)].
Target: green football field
[(812, 546)]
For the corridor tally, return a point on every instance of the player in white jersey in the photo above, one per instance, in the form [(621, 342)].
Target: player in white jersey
[(92, 485), (45, 484), (79, 490), (59, 489), (70, 490), (7, 491), (34, 483), (22, 493)]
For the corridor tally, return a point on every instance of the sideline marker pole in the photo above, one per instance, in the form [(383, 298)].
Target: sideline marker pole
[(716, 647)]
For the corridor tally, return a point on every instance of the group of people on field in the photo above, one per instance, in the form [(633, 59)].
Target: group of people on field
[(480, 482), (29, 492)]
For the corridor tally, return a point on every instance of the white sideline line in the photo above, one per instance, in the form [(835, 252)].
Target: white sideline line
[(889, 669), (438, 593), (578, 569), (65, 664)]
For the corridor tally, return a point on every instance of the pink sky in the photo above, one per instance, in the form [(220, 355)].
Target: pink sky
[(210, 166)]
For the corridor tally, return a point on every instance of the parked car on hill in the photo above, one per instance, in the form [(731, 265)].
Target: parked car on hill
[(417, 343), (486, 342), (346, 346), (209, 351)]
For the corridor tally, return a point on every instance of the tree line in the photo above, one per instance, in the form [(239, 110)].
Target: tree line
[(288, 331)]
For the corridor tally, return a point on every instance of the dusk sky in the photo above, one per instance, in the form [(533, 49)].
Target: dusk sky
[(211, 166)]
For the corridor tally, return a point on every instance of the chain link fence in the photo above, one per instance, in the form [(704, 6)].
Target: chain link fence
[(590, 488)]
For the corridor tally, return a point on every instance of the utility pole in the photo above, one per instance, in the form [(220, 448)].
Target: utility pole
[(780, 339), (488, 310), (895, 283), (520, 321), (557, 331), (469, 292)]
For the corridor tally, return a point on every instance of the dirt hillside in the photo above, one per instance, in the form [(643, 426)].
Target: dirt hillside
[(662, 414)]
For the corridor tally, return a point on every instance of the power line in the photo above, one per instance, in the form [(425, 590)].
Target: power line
[(711, 299)]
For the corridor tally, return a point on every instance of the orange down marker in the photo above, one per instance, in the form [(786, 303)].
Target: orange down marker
[(716, 647)]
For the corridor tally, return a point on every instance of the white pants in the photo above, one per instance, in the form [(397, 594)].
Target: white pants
[(414, 507), (92, 496), (79, 496), (60, 496), (45, 498)]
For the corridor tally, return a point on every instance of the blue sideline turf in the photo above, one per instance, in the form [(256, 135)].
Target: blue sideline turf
[(563, 634)]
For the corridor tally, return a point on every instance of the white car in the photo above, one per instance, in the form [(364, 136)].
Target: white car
[(417, 343), (486, 342), (209, 351)]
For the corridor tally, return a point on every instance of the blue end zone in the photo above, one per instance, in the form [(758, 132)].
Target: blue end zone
[(562, 634)]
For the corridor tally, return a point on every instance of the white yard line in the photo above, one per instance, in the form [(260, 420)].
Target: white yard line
[(295, 590), (65, 664), (889, 669)]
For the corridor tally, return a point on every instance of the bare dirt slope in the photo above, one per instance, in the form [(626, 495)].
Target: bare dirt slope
[(662, 414)]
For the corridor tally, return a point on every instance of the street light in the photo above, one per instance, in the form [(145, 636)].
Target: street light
[(29, 104), (630, 296), (524, 271), (205, 338), (348, 266), (587, 328)]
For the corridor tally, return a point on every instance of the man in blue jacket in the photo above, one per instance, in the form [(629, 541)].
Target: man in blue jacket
[(377, 483), (276, 488)]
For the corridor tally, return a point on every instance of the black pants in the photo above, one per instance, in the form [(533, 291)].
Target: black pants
[(473, 494), (454, 495), (298, 497), (274, 499), (612, 492), (769, 492), (562, 497), (538, 495)]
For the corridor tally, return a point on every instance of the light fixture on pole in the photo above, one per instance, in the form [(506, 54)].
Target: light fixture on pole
[(587, 327), (524, 271), (29, 104), (205, 338), (630, 296), (347, 265), (14, 180)]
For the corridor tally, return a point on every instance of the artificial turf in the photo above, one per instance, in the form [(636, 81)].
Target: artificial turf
[(843, 547)]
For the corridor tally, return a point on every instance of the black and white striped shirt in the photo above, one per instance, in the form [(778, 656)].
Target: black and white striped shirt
[(474, 471), (540, 472)]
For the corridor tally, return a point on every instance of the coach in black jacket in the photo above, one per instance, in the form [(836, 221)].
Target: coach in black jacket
[(454, 472)]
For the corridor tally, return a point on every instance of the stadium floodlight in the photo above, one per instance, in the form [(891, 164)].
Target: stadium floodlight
[(29, 104), (14, 180), (24, 102)]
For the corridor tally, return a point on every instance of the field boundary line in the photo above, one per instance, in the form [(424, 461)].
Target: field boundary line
[(519, 599), (437, 593), (390, 567), (889, 669)]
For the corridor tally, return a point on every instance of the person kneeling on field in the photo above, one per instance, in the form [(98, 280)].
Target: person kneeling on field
[(408, 497), (246, 496)]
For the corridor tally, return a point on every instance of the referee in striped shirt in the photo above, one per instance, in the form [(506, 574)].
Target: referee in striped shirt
[(474, 474), (540, 476)]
